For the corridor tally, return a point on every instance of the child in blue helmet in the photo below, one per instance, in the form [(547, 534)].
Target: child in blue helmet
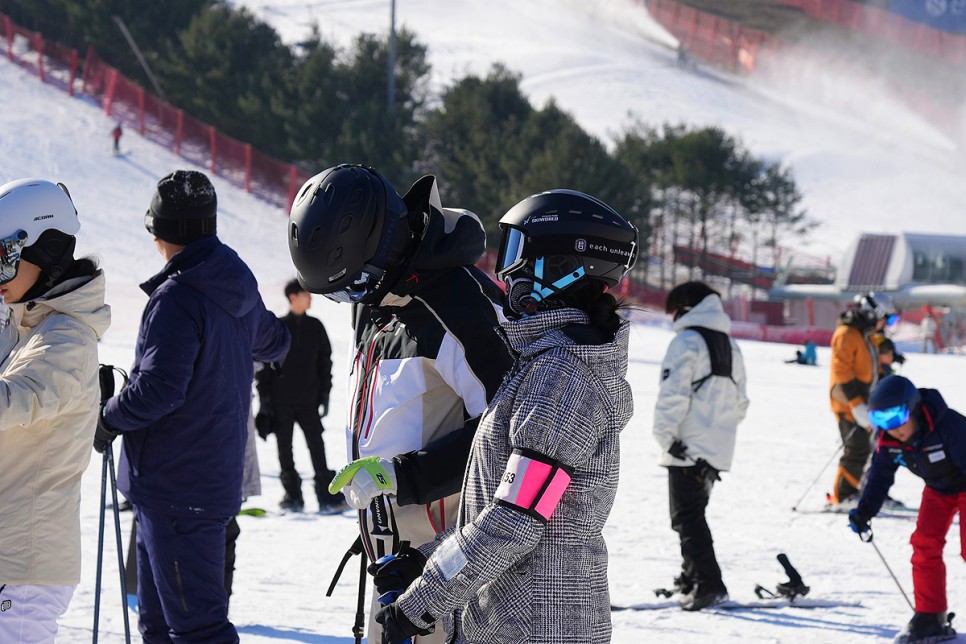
[(918, 430)]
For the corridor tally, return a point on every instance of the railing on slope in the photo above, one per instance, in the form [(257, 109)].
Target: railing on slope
[(201, 143)]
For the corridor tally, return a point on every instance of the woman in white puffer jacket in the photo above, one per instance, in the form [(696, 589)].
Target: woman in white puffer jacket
[(48, 404)]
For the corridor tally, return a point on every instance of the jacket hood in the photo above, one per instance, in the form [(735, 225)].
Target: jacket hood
[(447, 237), (81, 298), (214, 270), (534, 334), (934, 407), (709, 313)]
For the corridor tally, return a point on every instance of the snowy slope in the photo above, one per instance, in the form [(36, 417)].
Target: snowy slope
[(864, 161), (285, 563)]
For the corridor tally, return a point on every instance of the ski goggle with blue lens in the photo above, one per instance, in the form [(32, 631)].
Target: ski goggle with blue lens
[(511, 250), (10, 249), (890, 417), (892, 319)]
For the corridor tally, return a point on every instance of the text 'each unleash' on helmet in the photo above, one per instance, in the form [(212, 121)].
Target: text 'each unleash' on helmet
[(559, 237), (28, 208), (346, 227)]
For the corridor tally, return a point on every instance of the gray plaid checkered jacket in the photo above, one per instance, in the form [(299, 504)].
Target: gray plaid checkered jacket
[(502, 575)]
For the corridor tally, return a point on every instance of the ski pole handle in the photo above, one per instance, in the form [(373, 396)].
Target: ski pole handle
[(390, 596)]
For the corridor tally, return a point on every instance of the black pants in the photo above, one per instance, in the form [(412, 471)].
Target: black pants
[(308, 419), (856, 448), (689, 495)]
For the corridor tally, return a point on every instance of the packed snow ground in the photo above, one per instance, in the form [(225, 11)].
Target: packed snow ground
[(864, 160), (286, 562)]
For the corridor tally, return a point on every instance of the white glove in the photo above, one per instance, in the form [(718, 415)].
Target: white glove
[(363, 480), (861, 415)]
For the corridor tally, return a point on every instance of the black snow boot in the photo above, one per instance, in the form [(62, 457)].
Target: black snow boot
[(926, 628), (683, 584), (329, 503), (292, 484), (704, 596)]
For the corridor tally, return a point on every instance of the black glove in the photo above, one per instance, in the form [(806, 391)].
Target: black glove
[(103, 435), (678, 450), (705, 471), (859, 522), (265, 420), (898, 358), (400, 571), (396, 627)]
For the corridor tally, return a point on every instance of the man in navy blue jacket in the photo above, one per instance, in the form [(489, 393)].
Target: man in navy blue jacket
[(920, 432), (184, 413)]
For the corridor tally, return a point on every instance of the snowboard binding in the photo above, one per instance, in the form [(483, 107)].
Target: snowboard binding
[(790, 589)]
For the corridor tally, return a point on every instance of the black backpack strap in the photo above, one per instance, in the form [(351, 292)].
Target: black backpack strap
[(719, 349)]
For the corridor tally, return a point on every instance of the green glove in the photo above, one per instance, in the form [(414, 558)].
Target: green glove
[(365, 479)]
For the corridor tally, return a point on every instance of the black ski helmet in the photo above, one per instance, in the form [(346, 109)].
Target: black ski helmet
[(347, 227), (897, 397), (554, 239), (871, 307)]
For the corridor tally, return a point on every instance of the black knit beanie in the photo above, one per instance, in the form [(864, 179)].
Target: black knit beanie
[(183, 208)]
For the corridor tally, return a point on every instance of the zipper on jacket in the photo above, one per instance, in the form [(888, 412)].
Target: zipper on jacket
[(365, 391)]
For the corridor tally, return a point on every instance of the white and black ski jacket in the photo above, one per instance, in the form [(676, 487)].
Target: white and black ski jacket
[(427, 361), (509, 573)]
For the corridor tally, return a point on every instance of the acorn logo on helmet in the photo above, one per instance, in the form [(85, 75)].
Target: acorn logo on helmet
[(38, 222)]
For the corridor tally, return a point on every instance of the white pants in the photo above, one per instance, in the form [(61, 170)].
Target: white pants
[(28, 614)]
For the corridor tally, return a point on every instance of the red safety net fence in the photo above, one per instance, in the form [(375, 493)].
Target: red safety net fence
[(130, 104)]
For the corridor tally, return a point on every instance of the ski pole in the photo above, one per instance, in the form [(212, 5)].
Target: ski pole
[(825, 467), (109, 454), (100, 549), (886, 564), (105, 375)]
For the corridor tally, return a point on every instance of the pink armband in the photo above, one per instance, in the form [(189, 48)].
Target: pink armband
[(533, 483)]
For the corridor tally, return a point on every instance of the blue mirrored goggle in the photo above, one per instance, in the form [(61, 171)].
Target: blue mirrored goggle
[(892, 319), (10, 248), (890, 417), (354, 292), (511, 250)]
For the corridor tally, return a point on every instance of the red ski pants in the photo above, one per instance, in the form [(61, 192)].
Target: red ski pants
[(936, 514)]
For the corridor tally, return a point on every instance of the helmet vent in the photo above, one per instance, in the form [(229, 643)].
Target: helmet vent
[(328, 194), (295, 235), (344, 225), (303, 192), (315, 237)]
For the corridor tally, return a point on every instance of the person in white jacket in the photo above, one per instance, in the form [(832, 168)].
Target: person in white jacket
[(49, 396), (701, 401)]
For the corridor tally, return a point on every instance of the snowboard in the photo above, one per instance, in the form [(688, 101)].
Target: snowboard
[(754, 604)]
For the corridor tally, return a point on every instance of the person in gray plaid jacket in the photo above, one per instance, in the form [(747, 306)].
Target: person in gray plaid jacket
[(526, 561)]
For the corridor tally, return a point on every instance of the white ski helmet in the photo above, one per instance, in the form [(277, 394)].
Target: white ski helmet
[(28, 209)]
